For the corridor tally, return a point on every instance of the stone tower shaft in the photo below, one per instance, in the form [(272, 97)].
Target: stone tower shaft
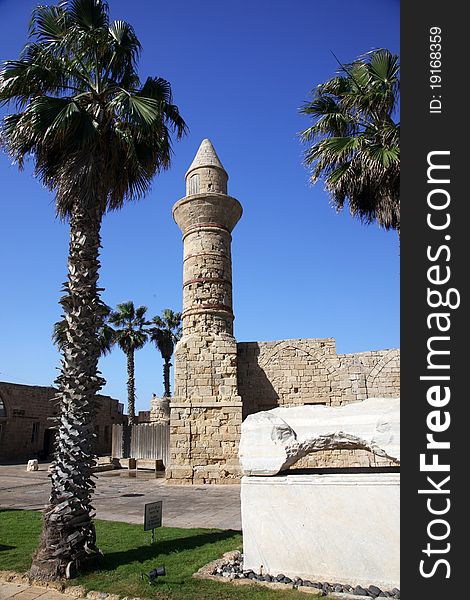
[(207, 216), (206, 410)]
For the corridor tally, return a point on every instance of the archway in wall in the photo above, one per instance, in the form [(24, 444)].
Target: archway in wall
[(300, 371), (383, 379)]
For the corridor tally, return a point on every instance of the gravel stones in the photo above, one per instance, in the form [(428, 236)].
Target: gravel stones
[(233, 569), (373, 589)]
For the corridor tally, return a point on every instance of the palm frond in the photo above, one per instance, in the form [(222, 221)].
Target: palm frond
[(48, 24), (125, 49), (88, 14), (129, 326), (353, 143), (138, 110)]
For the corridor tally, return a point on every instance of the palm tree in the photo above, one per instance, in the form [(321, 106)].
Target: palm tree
[(165, 333), (97, 137), (354, 141), (130, 335)]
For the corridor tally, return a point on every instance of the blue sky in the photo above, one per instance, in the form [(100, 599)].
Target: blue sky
[(239, 71)]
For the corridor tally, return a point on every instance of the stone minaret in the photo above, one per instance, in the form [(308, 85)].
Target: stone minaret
[(206, 410)]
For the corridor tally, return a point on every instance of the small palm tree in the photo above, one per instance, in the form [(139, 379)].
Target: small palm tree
[(130, 335), (354, 141), (97, 137), (166, 332)]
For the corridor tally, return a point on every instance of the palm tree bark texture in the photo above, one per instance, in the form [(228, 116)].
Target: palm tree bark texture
[(68, 535), (130, 387), (166, 377)]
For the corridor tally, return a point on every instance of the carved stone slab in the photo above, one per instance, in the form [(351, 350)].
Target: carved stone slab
[(272, 441)]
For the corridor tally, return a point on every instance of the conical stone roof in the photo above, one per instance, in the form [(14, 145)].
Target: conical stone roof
[(206, 156)]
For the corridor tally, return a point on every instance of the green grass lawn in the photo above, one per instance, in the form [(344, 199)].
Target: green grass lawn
[(128, 553)]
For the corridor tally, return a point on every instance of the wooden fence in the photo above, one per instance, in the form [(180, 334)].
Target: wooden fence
[(147, 441), (117, 441)]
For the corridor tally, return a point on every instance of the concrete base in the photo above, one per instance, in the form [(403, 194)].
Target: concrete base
[(338, 528)]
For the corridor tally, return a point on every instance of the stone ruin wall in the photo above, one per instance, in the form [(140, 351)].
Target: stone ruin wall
[(206, 412), (204, 438), (26, 405), (204, 443), (309, 371)]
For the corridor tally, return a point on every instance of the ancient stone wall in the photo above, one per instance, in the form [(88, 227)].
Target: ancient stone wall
[(204, 440), (143, 416), (342, 459), (29, 424), (309, 371)]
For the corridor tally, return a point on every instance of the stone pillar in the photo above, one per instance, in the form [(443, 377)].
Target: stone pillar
[(206, 410), (159, 410)]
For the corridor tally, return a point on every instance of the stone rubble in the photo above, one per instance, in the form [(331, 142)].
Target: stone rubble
[(233, 570)]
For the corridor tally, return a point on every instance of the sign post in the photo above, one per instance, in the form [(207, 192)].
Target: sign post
[(153, 517)]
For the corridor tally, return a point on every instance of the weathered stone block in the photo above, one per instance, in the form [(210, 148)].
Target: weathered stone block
[(272, 441)]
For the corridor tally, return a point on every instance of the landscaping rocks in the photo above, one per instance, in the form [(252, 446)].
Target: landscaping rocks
[(230, 569)]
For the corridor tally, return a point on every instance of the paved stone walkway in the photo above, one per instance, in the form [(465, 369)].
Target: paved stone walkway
[(119, 497), (20, 591)]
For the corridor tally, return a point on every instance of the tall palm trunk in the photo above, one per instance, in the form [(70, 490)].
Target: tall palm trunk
[(68, 535), (130, 387), (166, 378)]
